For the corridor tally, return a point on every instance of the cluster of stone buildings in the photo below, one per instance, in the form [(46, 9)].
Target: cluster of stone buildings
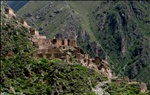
[(67, 50)]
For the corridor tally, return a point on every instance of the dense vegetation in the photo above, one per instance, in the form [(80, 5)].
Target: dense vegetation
[(123, 89), (117, 31), (48, 76), (45, 76), (21, 74)]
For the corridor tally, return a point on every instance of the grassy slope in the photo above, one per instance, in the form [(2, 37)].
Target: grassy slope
[(109, 38), (20, 74), (82, 9), (29, 6)]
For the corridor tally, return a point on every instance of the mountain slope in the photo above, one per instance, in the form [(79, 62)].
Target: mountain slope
[(116, 31), (22, 74)]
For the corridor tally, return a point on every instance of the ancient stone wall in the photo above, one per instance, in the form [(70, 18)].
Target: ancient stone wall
[(98, 60), (10, 12), (72, 43)]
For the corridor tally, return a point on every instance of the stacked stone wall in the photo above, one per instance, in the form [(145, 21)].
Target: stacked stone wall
[(10, 12)]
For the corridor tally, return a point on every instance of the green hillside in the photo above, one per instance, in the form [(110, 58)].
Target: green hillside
[(23, 75), (116, 31)]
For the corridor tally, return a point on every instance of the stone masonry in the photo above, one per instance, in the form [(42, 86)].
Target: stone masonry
[(67, 50)]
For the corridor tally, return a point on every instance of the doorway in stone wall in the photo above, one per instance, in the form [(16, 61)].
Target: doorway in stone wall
[(54, 41), (63, 42)]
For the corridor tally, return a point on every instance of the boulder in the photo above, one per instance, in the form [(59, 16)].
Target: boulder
[(143, 87)]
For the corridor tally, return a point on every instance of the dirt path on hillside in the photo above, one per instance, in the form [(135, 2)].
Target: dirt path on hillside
[(99, 90)]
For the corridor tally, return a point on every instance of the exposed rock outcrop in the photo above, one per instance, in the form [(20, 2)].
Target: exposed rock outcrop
[(143, 87)]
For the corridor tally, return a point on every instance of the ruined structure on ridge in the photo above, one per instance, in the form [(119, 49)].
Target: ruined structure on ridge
[(67, 50)]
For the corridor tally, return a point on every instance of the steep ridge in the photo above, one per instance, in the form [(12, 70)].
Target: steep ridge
[(117, 31), (32, 75)]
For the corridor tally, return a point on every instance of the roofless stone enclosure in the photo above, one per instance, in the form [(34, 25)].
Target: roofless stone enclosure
[(67, 50)]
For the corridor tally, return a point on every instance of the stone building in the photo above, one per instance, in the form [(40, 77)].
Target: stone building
[(10, 12)]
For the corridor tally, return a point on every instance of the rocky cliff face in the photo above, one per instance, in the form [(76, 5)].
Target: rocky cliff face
[(117, 31)]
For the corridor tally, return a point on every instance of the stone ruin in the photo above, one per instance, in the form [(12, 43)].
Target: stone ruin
[(10, 13), (67, 50)]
